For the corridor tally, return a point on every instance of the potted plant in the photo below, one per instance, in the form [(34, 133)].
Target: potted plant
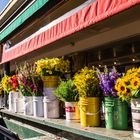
[(87, 85), (17, 101), (116, 110), (66, 92), (50, 70), (38, 96), (31, 87), (8, 88), (128, 88)]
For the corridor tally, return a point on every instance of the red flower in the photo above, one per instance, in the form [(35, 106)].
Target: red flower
[(14, 82)]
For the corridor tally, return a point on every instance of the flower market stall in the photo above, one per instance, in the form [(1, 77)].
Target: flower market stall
[(81, 75), (42, 85)]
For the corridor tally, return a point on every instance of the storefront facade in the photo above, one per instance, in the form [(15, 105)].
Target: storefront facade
[(88, 32), (91, 25)]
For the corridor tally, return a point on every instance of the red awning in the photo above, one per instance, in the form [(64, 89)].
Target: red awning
[(89, 15)]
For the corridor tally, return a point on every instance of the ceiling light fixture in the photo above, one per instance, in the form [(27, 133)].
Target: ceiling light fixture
[(115, 62), (133, 59)]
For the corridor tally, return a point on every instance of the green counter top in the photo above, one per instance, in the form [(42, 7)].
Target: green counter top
[(98, 133)]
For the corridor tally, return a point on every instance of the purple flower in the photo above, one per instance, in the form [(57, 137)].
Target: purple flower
[(31, 85), (25, 81), (107, 82)]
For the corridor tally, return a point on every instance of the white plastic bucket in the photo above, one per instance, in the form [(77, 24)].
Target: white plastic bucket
[(48, 91), (12, 95), (51, 106), (38, 106), (1, 102), (28, 105), (135, 108), (72, 112), (19, 105), (15, 94)]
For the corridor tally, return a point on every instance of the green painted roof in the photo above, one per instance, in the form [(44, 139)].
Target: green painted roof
[(35, 6)]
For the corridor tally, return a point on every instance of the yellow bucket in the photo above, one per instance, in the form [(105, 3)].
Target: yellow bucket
[(90, 111), (50, 81)]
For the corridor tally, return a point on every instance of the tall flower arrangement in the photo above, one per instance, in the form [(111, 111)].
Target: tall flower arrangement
[(87, 85), (129, 85), (30, 82), (52, 66), (87, 82), (108, 81)]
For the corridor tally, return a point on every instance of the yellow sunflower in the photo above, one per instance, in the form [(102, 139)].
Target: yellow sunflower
[(118, 81), (135, 83), (130, 71), (122, 89), (128, 91)]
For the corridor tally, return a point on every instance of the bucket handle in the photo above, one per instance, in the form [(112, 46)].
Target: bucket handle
[(26, 104), (90, 113), (112, 105), (108, 105), (19, 99), (52, 100)]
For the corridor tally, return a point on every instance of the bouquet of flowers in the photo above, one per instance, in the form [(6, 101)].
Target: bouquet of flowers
[(29, 82), (14, 82), (87, 82), (6, 84), (108, 81), (52, 66), (129, 85)]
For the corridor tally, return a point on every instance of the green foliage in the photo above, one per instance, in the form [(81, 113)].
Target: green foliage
[(66, 91), (136, 93)]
